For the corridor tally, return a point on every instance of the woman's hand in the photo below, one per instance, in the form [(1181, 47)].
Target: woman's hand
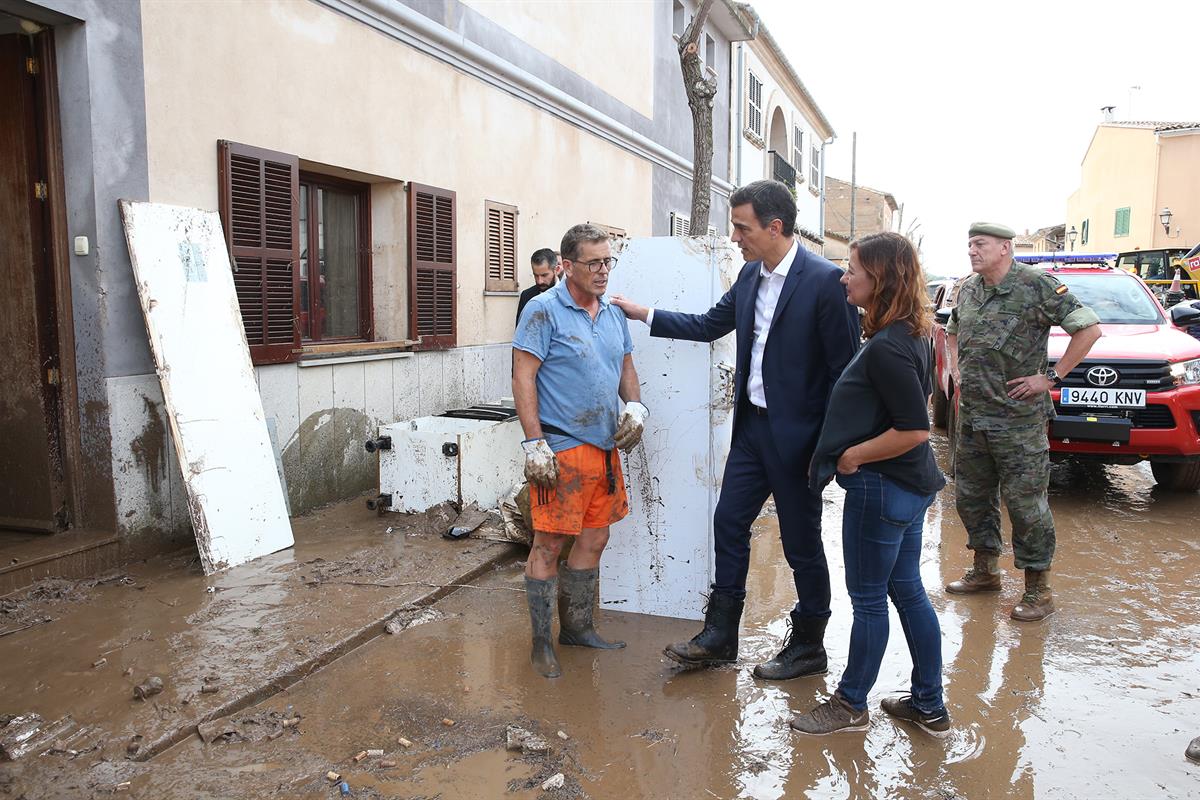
[(847, 463)]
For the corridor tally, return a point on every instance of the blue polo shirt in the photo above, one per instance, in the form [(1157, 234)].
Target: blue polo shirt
[(581, 365)]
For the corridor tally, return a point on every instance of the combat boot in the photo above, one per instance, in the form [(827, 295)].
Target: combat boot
[(718, 642), (804, 654), (984, 576), (576, 601), (540, 595), (1037, 602)]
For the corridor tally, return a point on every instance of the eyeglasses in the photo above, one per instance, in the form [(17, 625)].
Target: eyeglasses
[(594, 266)]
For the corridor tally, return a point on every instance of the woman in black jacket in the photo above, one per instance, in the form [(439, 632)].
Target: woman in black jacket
[(876, 440)]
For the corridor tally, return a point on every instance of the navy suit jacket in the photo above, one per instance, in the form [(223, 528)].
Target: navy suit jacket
[(813, 336)]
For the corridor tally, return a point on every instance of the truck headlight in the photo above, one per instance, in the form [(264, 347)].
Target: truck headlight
[(1186, 372)]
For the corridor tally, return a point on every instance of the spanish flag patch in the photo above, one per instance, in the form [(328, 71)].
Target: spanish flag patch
[(1061, 289)]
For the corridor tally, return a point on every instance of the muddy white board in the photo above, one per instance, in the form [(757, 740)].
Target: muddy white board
[(659, 559), (185, 287)]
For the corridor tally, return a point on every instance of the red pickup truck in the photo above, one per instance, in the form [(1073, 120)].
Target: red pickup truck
[(1136, 397)]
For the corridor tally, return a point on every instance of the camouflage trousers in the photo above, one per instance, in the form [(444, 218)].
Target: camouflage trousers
[(1013, 464)]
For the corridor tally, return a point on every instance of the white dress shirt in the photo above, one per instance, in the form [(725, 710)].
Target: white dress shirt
[(764, 311)]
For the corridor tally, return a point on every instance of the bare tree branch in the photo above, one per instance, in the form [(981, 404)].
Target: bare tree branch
[(701, 91)]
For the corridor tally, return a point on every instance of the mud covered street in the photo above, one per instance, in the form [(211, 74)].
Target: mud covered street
[(1098, 701)]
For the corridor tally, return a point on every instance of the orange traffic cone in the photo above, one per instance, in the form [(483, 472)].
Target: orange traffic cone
[(1176, 286), (1174, 294)]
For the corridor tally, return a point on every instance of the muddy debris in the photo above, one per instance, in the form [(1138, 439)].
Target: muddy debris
[(134, 746), (407, 618), (149, 687), (555, 781), (467, 522), (23, 734), (262, 726), (529, 743)]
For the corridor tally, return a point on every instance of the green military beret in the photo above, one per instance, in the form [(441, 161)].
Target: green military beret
[(991, 229)]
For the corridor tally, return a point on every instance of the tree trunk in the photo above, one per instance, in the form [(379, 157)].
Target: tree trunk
[(701, 92)]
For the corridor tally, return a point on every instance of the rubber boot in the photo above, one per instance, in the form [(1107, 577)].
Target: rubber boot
[(984, 576), (804, 654), (1037, 602), (576, 601), (718, 642), (540, 595)]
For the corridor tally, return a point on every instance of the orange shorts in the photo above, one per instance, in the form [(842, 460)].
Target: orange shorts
[(582, 498)]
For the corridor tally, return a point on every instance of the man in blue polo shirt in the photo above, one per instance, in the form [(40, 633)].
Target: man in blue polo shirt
[(572, 360)]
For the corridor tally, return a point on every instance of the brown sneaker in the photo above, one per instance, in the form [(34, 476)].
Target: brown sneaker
[(984, 576), (1037, 602), (835, 714)]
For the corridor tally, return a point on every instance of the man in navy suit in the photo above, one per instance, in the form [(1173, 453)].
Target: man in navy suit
[(795, 334)]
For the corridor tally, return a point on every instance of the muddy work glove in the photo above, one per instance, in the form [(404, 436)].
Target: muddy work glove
[(541, 467), (630, 426)]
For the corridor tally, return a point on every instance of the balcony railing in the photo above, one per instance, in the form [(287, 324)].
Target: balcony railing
[(781, 170)]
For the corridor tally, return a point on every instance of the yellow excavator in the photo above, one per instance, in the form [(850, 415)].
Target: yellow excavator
[(1158, 269)]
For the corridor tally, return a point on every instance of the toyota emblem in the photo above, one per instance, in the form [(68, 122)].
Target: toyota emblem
[(1102, 376)]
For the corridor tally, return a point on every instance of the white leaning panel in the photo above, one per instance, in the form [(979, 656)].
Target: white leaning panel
[(659, 559), (185, 287)]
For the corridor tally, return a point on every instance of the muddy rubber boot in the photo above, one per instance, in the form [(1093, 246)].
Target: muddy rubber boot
[(984, 576), (540, 595), (576, 602), (1037, 602), (804, 654), (718, 642)]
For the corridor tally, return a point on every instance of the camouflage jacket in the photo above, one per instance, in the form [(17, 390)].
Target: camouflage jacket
[(1002, 334)]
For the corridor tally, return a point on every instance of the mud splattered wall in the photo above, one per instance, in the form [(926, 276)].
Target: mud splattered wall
[(322, 414)]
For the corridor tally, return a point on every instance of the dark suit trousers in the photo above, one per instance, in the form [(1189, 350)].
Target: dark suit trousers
[(753, 471)]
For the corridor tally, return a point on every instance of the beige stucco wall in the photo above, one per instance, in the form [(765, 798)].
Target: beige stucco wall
[(295, 77), (1117, 171), (1179, 189), (607, 43)]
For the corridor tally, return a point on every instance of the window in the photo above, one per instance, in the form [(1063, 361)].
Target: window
[(335, 267), (1083, 233), (798, 151), (682, 226), (432, 265), (613, 231), (754, 116), (1121, 222), (258, 202), (500, 247), (710, 53), (814, 167), (678, 18)]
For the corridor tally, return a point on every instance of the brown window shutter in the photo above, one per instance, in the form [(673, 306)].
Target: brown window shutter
[(500, 247), (433, 266), (260, 190)]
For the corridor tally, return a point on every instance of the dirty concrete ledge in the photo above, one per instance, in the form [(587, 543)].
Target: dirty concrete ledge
[(253, 631)]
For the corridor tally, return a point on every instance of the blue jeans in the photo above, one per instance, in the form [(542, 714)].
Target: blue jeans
[(881, 536)]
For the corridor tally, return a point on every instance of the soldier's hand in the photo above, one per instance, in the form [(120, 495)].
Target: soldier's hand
[(541, 467), (1030, 387)]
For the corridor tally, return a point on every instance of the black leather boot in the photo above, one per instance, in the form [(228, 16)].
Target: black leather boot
[(576, 601), (540, 595), (718, 642), (804, 654)]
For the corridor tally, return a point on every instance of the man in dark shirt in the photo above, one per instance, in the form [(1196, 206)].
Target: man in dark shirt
[(545, 274)]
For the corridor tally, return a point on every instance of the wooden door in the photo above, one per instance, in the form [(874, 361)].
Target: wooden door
[(32, 485)]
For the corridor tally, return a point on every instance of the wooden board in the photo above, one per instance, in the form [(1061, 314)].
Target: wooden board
[(185, 286)]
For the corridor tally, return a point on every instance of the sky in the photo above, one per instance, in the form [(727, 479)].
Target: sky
[(983, 111)]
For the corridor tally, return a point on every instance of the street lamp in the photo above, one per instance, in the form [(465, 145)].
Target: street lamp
[(1071, 234), (1164, 217)]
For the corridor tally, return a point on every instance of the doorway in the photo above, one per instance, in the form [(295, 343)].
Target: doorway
[(34, 491)]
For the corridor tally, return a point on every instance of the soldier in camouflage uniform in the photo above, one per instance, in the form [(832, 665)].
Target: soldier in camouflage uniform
[(997, 334)]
